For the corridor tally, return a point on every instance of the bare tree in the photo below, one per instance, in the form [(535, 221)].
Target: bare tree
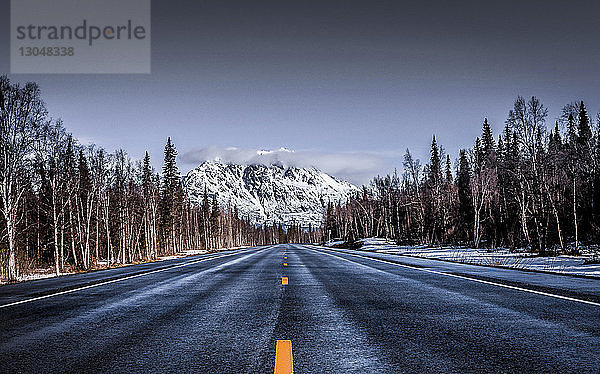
[(22, 112)]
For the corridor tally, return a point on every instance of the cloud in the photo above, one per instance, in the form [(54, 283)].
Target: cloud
[(355, 167)]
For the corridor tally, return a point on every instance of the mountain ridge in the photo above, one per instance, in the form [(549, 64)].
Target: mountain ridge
[(268, 194)]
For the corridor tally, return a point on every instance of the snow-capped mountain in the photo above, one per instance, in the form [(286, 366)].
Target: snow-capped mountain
[(268, 193)]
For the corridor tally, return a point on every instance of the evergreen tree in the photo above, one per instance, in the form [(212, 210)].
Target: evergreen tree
[(465, 200), (434, 224), (146, 175), (149, 204), (584, 171), (596, 186), (488, 144), (508, 185), (557, 136), (435, 163), (330, 225), (584, 132), (554, 141), (60, 199), (170, 179), (448, 170)]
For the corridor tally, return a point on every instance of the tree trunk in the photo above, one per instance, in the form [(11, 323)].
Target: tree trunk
[(56, 253), (576, 250), (12, 251)]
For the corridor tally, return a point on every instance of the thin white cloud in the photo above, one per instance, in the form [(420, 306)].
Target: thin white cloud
[(355, 167)]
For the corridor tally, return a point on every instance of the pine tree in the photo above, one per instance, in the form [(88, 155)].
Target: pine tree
[(435, 163), (433, 204), (584, 132), (171, 181), (58, 197), (488, 145), (146, 175), (596, 186), (508, 221), (557, 136), (149, 201), (465, 200), (330, 225), (171, 177), (448, 170), (554, 142), (585, 171)]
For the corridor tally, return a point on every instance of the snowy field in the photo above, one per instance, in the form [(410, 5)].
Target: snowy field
[(500, 257)]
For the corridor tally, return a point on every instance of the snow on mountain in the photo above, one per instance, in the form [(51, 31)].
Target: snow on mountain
[(268, 193)]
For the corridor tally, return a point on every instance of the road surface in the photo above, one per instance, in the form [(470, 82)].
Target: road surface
[(343, 311)]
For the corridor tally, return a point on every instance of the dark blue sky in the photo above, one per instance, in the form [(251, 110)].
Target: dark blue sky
[(330, 79)]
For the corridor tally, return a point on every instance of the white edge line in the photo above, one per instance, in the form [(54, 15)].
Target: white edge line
[(115, 280), (463, 277)]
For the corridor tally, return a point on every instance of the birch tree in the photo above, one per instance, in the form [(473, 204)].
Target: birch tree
[(22, 113)]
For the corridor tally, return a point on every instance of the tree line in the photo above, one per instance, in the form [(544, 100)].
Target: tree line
[(75, 207), (527, 188)]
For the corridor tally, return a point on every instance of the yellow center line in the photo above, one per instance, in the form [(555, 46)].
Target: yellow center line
[(284, 280), (283, 357), (285, 264)]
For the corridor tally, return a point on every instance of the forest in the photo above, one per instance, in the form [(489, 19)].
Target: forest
[(528, 188), (77, 207)]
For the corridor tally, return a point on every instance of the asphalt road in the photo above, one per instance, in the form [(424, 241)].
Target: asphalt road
[(345, 312)]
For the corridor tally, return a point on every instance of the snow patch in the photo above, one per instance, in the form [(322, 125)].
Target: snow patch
[(500, 257)]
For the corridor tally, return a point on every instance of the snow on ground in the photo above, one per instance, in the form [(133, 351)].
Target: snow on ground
[(195, 252), (333, 243), (190, 252), (49, 272), (501, 257), (40, 275)]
